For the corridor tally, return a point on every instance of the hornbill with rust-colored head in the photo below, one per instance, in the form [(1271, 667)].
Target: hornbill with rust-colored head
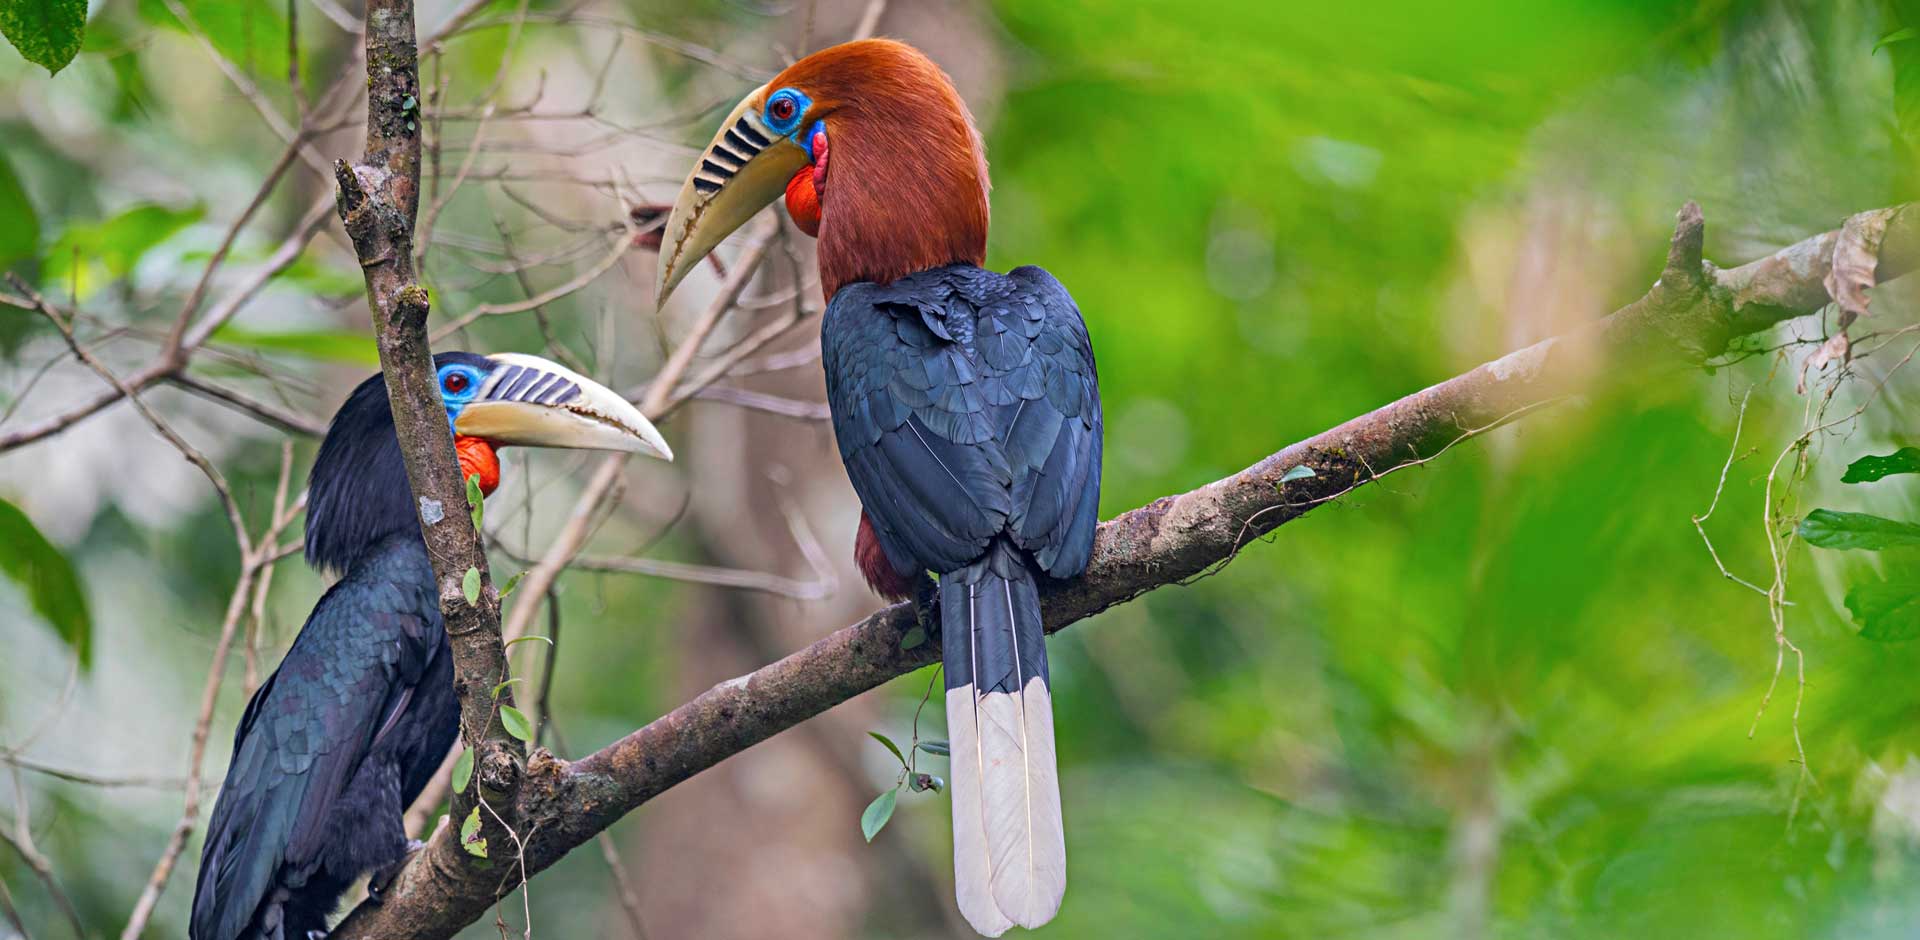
[(361, 712), (964, 401)]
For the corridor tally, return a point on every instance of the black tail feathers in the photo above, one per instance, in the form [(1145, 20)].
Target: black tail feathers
[(991, 635)]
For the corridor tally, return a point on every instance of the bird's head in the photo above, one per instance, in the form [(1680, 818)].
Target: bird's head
[(875, 153), (358, 493)]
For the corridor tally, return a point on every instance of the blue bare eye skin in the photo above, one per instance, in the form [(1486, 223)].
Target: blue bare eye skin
[(459, 383), (818, 128), (793, 104)]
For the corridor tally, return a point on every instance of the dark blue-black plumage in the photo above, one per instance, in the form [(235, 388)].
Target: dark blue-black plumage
[(353, 724), (967, 410)]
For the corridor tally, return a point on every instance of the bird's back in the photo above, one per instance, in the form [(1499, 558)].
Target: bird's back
[(966, 406)]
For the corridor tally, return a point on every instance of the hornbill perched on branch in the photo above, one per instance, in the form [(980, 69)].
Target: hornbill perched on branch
[(357, 718), (965, 404)]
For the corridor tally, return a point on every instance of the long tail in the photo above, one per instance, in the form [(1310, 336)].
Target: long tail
[(1009, 852)]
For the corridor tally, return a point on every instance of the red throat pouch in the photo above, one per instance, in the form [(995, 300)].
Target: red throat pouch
[(803, 202), (477, 458)]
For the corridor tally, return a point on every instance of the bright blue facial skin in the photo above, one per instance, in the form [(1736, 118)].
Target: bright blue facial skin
[(789, 128), (816, 132), (455, 393)]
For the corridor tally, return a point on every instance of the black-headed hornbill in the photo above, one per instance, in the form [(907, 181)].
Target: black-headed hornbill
[(359, 715), (965, 404)]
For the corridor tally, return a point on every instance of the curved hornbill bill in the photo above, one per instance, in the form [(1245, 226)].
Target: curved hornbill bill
[(361, 712), (965, 404)]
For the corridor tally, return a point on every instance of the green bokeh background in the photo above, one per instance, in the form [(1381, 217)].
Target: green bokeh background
[(1505, 694)]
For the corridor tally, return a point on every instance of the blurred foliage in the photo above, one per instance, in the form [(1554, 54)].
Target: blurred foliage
[(46, 576), (1508, 694)]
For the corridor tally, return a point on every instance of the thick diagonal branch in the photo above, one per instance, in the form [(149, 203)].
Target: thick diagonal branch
[(1693, 312)]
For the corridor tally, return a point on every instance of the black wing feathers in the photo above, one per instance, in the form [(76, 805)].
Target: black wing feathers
[(363, 650), (966, 406)]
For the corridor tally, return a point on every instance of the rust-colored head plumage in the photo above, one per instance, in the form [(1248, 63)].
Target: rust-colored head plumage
[(905, 187)]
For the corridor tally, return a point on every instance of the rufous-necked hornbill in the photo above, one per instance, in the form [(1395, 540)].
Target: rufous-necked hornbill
[(965, 404), (361, 712)]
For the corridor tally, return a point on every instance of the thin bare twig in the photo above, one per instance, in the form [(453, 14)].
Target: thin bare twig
[(22, 844), (270, 413)]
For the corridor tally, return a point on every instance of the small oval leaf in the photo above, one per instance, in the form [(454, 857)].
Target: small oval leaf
[(883, 739), (470, 586), (470, 834), (516, 723), (877, 813), (512, 583), (1301, 472), (476, 500), (463, 770), (936, 747)]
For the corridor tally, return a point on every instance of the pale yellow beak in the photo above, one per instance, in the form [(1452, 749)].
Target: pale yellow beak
[(529, 401), (742, 171)]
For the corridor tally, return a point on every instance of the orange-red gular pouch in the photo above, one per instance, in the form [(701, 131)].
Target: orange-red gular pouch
[(805, 188)]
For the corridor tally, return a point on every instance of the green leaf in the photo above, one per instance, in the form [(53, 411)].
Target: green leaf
[(470, 834), (878, 812), (883, 739), (20, 233), (1870, 468), (322, 345), (913, 638), (498, 688), (48, 578), (516, 723), (306, 274), (317, 277), (463, 770), (529, 637), (250, 34), (1888, 611), (90, 255), (1905, 57), (1300, 472), (47, 32), (476, 499), (512, 583), (1826, 528), (470, 586), (936, 747)]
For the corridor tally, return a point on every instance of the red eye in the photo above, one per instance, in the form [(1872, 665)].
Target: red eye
[(781, 109), (455, 382)]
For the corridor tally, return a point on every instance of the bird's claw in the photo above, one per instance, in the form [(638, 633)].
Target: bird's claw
[(926, 605), (382, 877)]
